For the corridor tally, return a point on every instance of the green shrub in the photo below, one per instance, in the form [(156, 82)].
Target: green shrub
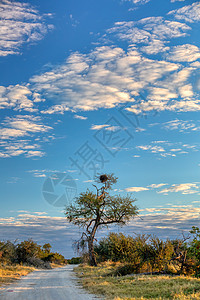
[(26, 250), (75, 260), (8, 252), (126, 269)]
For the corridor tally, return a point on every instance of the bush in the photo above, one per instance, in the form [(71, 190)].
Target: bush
[(144, 253), (75, 260), (118, 247), (29, 253), (27, 250), (126, 269), (55, 258), (8, 252), (38, 263)]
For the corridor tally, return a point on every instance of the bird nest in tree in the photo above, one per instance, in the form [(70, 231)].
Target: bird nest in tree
[(103, 178)]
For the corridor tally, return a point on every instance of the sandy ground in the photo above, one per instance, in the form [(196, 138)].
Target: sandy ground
[(56, 284)]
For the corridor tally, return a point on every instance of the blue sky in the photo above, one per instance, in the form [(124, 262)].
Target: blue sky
[(88, 87)]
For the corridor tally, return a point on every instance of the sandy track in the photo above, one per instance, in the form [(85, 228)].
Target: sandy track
[(56, 284)]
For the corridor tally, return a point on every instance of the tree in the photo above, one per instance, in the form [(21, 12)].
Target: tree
[(27, 250), (92, 211), (46, 248)]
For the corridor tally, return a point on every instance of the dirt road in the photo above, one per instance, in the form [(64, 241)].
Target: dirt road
[(56, 284)]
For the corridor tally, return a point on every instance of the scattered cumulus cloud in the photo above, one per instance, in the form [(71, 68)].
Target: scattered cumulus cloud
[(149, 31), (22, 125), (181, 125), (80, 117), (163, 149), (140, 2), (16, 136), (188, 13), (105, 126), (19, 98), (183, 188), (156, 186), (108, 76), (98, 127), (153, 149), (136, 189), (185, 52), (20, 23), (177, 0)]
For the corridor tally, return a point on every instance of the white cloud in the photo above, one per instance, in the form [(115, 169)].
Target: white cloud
[(181, 125), (156, 186), (184, 188), (185, 52), (164, 149), (105, 78), (18, 147), (35, 154), (155, 46), (136, 189), (189, 13), (151, 30), (21, 126), (18, 97), (153, 149), (98, 127), (20, 23), (177, 0), (109, 75), (38, 175), (139, 1), (106, 127), (80, 117), (83, 86)]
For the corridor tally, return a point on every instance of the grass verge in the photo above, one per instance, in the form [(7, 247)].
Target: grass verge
[(100, 281), (10, 273)]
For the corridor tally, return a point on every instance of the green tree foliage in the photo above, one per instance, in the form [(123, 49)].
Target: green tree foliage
[(46, 248), (8, 252), (95, 210), (119, 247), (194, 249), (55, 258), (75, 260), (28, 249), (29, 252), (143, 253)]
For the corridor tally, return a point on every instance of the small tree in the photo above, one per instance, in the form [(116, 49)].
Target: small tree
[(46, 248), (94, 210), (27, 250)]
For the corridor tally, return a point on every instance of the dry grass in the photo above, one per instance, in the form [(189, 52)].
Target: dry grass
[(100, 281), (54, 265), (10, 273)]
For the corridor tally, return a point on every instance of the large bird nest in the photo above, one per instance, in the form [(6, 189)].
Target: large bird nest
[(103, 178)]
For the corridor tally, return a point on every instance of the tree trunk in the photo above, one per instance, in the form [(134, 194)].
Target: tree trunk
[(92, 257)]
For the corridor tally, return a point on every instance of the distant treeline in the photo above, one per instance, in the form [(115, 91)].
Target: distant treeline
[(29, 253), (147, 253)]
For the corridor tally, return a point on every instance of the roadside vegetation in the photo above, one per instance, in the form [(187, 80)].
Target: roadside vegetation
[(144, 267), (126, 267), (102, 280), (9, 273), (18, 260)]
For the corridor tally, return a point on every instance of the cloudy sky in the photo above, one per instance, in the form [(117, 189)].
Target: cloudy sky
[(88, 87)]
